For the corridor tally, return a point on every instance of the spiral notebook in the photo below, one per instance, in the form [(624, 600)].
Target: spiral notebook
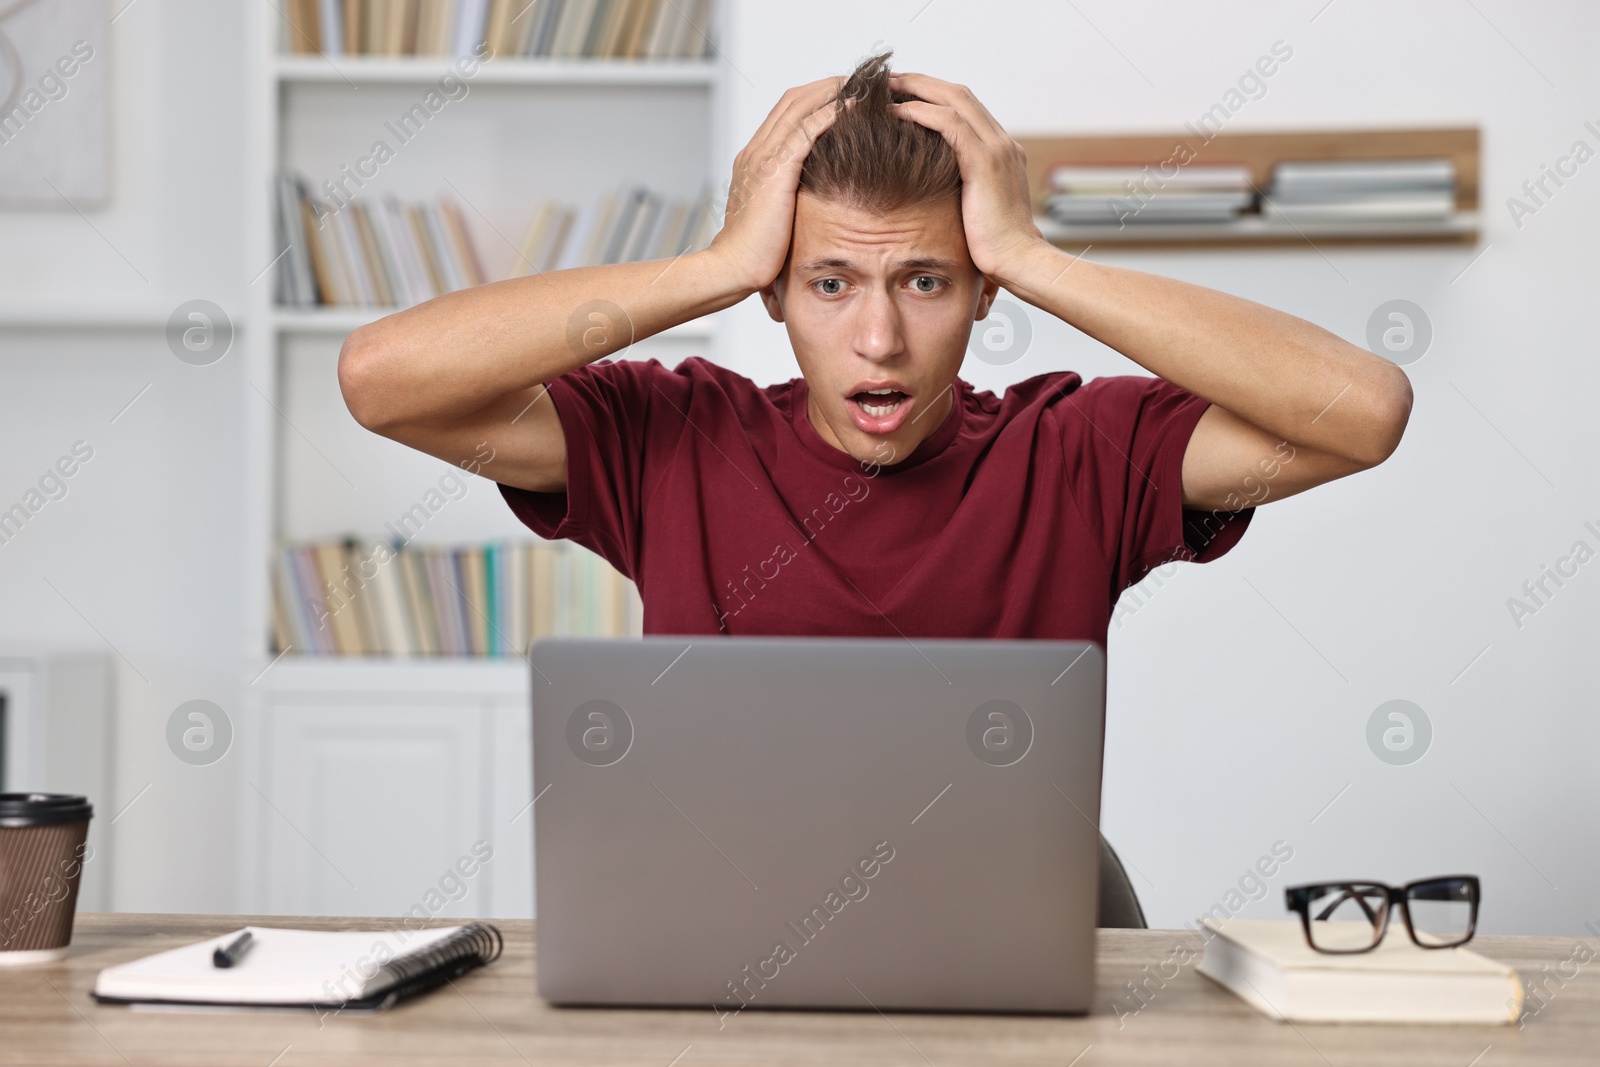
[(343, 969)]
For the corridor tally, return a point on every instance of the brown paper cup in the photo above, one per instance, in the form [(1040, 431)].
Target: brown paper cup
[(42, 853)]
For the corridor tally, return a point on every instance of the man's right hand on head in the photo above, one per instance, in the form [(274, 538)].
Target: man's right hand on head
[(758, 224)]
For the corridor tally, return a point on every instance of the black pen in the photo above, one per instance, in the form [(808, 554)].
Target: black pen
[(227, 957)]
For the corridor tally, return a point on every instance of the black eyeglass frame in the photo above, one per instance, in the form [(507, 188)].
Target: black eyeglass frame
[(1298, 900)]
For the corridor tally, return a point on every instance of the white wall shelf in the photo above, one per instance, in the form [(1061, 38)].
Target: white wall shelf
[(358, 70), (342, 320), (1260, 151), (1253, 229), (35, 316), (368, 674)]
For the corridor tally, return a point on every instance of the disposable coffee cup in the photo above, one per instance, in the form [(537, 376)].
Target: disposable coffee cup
[(42, 853)]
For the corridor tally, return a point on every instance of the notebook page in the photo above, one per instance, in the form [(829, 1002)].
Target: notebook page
[(281, 967)]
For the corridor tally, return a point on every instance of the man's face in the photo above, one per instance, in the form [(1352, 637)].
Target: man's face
[(878, 301)]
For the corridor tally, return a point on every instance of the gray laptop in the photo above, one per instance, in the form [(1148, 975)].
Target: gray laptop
[(809, 822)]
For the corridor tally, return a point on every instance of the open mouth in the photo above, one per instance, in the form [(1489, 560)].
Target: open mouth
[(880, 402), (880, 411)]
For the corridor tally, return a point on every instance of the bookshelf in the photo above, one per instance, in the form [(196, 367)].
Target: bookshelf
[(1260, 151), (374, 733), (314, 110)]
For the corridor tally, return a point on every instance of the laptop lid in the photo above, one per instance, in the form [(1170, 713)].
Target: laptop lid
[(748, 822)]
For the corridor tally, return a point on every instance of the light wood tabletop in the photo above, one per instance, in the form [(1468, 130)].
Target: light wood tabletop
[(493, 1015)]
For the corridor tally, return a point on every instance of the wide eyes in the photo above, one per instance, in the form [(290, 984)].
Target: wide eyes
[(925, 284)]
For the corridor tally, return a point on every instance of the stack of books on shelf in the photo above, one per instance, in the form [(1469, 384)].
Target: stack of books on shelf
[(611, 29), (386, 253), (1364, 190), (624, 226), (349, 598), (1100, 194)]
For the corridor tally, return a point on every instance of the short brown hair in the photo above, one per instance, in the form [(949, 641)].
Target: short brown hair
[(874, 160)]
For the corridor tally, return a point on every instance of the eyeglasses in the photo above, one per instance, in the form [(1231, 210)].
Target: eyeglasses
[(1345, 917)]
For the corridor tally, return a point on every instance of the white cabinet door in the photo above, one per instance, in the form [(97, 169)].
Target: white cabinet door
[(388, 788), (378, 809)]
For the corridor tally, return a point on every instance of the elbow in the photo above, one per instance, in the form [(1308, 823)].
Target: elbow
[(1391, 412), (361, 382)]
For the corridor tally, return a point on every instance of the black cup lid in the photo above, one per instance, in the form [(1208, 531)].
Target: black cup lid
[(42, 809)]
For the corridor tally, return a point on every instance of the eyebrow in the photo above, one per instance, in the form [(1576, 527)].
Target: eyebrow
[(924, 263)]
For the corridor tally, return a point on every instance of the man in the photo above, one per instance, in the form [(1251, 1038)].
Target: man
[(878, 494)]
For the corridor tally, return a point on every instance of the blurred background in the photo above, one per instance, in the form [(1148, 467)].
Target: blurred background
[(1391, 677)]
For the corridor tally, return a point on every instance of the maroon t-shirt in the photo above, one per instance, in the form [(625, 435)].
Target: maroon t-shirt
[(1021, 516)]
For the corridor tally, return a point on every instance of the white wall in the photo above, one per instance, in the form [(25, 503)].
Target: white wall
[(144, 548), (1228, 729)]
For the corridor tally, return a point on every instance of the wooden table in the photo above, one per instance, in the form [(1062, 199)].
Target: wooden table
[(494, 1015)]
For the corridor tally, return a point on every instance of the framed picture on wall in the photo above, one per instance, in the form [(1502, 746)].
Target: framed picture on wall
[(55, 68)]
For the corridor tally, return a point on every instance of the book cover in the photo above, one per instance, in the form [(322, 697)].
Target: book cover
[(441, 251), (461, 240), (474, 585), (353, 27), (419, 602), (309, 584), (388, 595), (662, 27), (1115, 177), (388, 257), (534, 239), (437, 282), (1268, 963), (306, 213), (544, 33), (1365, 174), (330, 283), (471, 18), (498, 27), (589, 47), (305, 34), (329, 559), (442, 588), (359, 590), (611, 205), (616, 245), (283, 637), (636, 27), (693, 41), (372, 257), (574, 27), (494, 644), (645, 222), (330, 26), (348, 244), (394, 239)]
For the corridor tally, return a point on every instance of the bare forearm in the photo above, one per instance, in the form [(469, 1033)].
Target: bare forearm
[(450, 356), (1281, 373)]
